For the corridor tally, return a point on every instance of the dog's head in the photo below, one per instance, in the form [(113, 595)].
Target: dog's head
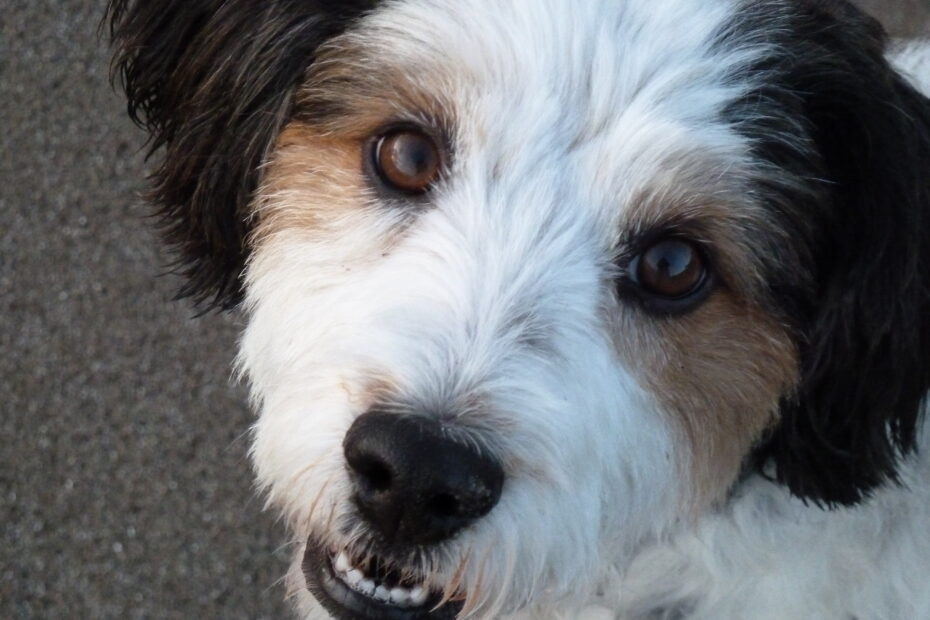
[(530, 282)]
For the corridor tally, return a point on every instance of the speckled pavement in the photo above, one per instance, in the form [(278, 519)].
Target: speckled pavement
[(125, 491)]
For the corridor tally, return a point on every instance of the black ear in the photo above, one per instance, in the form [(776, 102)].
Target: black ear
[(863, 315), (213, 81)]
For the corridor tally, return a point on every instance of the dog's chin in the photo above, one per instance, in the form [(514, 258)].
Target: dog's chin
[(352, 590)]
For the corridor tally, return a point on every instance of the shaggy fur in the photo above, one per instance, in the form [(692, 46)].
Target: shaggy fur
[(759, 449)]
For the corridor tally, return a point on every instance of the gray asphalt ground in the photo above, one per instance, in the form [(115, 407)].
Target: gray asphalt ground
[(125, 491)]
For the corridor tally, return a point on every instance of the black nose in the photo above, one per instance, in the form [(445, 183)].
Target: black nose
[(415, 485)]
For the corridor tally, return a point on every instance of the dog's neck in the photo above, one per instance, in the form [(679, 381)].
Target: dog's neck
[(766, 550)]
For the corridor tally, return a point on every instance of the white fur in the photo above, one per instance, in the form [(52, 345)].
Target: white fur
[(769, 556), (497, 291), (912, 58), (766, 555)]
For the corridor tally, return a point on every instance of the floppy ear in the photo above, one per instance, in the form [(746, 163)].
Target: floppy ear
[(212, 81), (864, 325)]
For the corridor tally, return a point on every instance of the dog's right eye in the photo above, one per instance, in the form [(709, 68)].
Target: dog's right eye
[(407, 160), (670, 276), (671, 268)]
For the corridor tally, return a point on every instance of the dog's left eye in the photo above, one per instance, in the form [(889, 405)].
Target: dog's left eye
[(407, 160), (671, 276), (671, 268)]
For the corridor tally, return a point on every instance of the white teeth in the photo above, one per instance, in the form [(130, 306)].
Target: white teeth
[(356, 579), (400, 596), (367, 587)]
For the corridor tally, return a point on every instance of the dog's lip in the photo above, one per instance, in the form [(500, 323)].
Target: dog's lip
[(344, 603)]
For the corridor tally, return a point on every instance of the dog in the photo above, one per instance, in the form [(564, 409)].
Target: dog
[(562, 308)]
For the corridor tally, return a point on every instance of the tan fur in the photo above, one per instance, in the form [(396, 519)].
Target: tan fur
[(312, 183), (703, 198), (316, 182), (353, 92), (719, 371)]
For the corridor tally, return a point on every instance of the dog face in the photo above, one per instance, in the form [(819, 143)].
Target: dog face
[(529, 284), (516, 296)]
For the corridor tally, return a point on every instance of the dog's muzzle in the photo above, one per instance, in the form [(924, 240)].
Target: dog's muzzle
[(416, 485)]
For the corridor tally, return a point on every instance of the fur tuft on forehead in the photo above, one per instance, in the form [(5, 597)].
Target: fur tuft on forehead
[(213, 83)]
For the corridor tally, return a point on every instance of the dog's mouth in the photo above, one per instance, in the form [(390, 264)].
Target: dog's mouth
[(369, 590)]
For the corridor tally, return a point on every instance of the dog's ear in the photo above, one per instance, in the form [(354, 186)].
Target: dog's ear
[(213, 82), (864, 322)]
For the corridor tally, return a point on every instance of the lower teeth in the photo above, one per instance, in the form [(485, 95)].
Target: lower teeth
[(359, 582)]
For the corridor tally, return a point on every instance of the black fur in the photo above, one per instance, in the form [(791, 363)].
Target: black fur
[(851, 185), (213, 82)]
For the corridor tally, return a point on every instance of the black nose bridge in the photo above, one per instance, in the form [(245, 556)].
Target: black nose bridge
[(414, 483)]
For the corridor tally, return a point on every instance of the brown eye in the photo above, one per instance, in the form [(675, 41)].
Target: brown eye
[(671, 268), (407, 160)]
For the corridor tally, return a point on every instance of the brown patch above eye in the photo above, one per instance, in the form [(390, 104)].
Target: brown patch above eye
[(313, 183)]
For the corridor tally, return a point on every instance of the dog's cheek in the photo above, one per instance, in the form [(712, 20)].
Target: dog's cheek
[(305, 355), (719, 375), (307, 282), (305, 344), (616, 458), (297, 453)]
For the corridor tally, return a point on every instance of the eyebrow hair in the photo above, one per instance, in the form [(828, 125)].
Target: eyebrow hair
[(349, 91)]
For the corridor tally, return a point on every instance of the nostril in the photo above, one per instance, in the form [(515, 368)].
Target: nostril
[(374, 473), (444, 505)]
